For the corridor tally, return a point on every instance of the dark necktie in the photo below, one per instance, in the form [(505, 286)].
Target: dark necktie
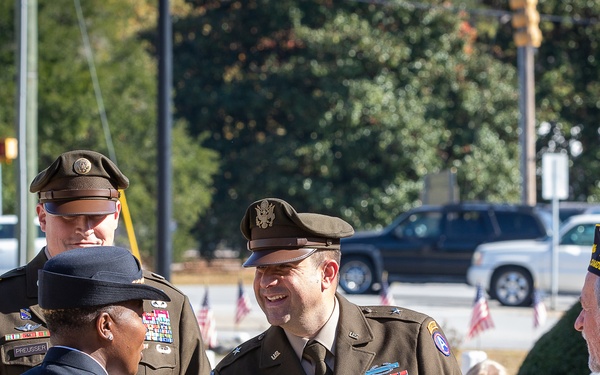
[(315, 352)]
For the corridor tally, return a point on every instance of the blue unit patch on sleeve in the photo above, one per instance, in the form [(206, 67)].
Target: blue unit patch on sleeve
[(441, 343)]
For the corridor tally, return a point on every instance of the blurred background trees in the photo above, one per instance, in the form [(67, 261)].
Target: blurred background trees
[(337, 107)]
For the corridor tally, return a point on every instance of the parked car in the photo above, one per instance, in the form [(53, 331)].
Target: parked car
[(566, 209), (433, 243), (510, 270), (9, 244)]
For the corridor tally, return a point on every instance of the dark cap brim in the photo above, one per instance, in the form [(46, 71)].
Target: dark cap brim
[(271, 257), (58, 291), (81, 207)]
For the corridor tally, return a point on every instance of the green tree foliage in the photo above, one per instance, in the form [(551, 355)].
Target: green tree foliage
[(69, 117), (561, 350), (567, 91), (342, 108)]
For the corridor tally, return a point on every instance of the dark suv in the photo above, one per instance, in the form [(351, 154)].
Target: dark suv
[(433, 243)]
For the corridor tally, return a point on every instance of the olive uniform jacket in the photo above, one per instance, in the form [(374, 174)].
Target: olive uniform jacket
[(65, 361), (173, 341), (370, 340)]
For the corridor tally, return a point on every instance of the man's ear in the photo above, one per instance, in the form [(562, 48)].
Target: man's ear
[(41, 212), (331, 269)]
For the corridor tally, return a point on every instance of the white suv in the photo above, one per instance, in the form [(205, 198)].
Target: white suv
[(8, 241), (509, 270)]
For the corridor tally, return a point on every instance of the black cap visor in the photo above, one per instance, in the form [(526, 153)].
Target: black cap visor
[(271, 257), (81, 207)]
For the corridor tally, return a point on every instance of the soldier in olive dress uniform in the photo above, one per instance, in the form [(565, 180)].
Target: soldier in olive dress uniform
[(314, 329), (79, 207)]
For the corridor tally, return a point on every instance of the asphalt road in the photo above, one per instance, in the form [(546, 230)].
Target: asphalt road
[(450, 304)]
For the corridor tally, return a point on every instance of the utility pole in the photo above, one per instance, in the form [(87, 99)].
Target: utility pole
[(165, 82), (527, 36), (26, 124)]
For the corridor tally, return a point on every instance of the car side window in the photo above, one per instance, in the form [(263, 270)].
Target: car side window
[(7, 231), (460, 224), (517, 224), (420, 225), (581, 235)]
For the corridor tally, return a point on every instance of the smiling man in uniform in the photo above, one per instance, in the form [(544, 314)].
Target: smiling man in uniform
[(314, 329)]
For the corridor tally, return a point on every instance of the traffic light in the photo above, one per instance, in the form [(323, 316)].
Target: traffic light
[(8, 149), (526, 21)]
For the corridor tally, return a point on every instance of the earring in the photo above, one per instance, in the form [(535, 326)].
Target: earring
[(110, 337)]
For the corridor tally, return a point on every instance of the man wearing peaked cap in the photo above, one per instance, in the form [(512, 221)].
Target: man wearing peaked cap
[(314, 329), (79, 207), (588, 321), (97, 326)]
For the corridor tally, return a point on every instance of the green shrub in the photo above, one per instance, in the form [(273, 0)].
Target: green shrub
[(561, 350)]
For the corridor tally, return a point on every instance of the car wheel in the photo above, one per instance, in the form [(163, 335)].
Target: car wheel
[(356, 275), (512, 286)]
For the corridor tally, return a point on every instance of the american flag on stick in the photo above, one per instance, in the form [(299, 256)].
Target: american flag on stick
[(207, 324), (539, 310), (387, 298), (480, 318), (243, 304)]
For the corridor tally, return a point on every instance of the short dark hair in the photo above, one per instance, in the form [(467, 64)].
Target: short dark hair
[(320, 255), (65, 322)]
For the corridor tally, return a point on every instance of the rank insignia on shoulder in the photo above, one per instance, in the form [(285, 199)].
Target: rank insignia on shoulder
[(237, 350), (385, 368), (25, 314), (441, 343)]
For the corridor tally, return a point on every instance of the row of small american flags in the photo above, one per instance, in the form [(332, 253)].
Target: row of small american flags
[(481, 318), (206, 320)]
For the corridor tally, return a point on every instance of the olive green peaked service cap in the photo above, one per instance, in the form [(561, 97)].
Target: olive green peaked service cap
[(277, 234), (80, 182)]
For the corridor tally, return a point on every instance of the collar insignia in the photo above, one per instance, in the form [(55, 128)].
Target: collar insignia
[(237, 350), (275, 355), (395, 311)]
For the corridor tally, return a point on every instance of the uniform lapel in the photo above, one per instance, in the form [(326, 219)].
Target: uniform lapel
[(31, 272), (277, 355), (352, 331)]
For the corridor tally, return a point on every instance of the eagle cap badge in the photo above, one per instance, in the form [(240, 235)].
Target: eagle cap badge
[(82, 166)]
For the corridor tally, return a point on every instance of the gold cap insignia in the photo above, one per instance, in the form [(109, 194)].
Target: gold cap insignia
[(82, 166), (264, 214)]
